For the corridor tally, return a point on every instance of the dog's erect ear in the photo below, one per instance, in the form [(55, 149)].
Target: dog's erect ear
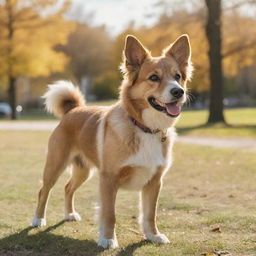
[(180, 50), (134, 52)]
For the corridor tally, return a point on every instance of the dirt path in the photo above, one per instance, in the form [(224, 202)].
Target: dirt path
[(243, 143), (28, 125)]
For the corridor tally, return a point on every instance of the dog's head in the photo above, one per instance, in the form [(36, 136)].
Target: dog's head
[(154, 88)]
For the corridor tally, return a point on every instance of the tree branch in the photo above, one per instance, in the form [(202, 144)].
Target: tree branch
[(3, 23), (238, 49), (28, 18), (238, 5), (33, 26), (27, 12)]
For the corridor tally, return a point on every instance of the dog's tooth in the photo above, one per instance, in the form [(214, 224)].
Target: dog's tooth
[(159, 103)]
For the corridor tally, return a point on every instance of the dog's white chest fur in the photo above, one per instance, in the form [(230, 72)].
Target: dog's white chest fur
[(150, 153), (146, 161)]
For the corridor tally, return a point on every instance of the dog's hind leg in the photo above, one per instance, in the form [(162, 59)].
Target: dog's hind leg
[(57, 160), (80, 173)]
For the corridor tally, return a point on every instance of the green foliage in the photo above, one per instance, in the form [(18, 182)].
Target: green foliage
[(106, 87), (231, 86), (88, 50)]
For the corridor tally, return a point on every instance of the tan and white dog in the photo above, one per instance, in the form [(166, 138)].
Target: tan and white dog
[(129, 142)]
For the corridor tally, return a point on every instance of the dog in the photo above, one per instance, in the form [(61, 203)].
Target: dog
[(130, 142)]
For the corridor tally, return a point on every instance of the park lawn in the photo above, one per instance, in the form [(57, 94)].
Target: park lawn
[(206, 189), (41, 114), (241, 122)]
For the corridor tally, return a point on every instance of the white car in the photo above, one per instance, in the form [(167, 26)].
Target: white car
[(5, 109)]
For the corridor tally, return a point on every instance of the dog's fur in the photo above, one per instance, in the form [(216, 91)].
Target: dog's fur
[(106, 138)]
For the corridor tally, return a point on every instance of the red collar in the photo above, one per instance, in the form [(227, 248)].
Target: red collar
[(148, 130), (143, 127)]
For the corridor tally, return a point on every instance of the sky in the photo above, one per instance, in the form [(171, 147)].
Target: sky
[(116, 14)]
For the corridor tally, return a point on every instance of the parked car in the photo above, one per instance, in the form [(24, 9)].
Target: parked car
[(5, 110)]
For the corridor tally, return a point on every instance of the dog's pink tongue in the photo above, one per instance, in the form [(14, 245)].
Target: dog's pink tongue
[(173, 109)]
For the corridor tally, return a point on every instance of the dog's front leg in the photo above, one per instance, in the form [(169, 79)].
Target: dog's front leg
[(149, 198), (108, 191)]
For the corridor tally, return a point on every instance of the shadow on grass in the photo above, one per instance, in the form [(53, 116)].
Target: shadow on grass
[(188, 129), (46, 243), (130, 249)]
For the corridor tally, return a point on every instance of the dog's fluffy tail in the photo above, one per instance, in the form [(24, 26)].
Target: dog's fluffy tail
[(61, 97)]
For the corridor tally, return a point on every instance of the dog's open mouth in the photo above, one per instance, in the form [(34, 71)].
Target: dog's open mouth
[(171, 109)]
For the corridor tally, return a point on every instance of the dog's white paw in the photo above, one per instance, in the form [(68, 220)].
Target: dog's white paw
[(38, 222), (159, 238), (74, 216), (108, 243)]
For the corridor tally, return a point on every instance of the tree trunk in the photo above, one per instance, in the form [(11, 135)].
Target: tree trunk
[(11, 78), (213, 33), (12, 96)]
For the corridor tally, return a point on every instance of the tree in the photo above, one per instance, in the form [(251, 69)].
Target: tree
[(26, 41), (235, 51), (213, 33), (88, 49), (239, 49)]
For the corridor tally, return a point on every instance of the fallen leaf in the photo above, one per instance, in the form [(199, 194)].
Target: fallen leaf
[(217, 230), (220, 253), (200, 211)]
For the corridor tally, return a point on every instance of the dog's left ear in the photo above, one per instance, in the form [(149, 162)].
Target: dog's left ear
[(180, 50)]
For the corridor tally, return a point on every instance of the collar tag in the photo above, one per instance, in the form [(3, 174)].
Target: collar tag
[(163, 136)]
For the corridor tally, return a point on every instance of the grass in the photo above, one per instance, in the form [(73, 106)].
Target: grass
[(40, 114), (207, 188), (241, 122)]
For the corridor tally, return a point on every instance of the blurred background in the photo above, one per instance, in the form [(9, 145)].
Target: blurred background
[(42, 41)]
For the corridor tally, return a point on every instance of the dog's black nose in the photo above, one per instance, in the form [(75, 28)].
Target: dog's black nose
[(177, 92)]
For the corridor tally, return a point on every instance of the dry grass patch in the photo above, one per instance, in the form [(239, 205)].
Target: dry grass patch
[(206, 189)]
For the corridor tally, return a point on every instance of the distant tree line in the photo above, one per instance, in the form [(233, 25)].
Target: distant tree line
[(44, 48)]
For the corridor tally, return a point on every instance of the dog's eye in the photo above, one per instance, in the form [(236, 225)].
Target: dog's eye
[(154, 78), (177, 77)]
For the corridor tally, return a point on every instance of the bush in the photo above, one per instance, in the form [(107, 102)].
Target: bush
[(106, 87)]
